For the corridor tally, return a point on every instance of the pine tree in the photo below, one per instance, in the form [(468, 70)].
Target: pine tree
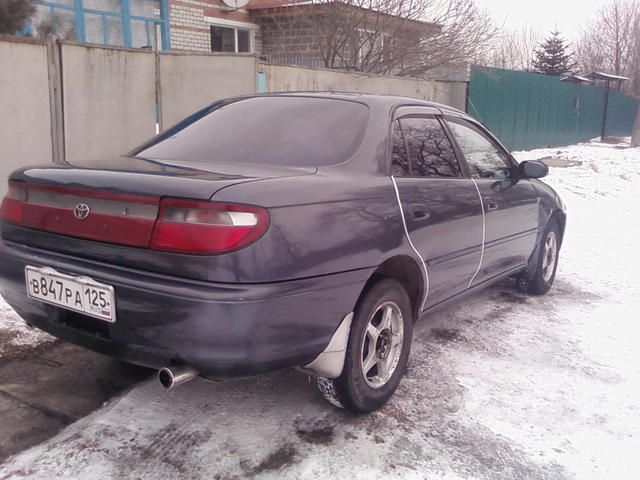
[(553, 56)]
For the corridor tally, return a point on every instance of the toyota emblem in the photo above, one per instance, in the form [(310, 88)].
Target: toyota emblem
[(81, 211)]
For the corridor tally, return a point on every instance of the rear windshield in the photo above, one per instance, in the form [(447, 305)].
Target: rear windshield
[(291, 131)]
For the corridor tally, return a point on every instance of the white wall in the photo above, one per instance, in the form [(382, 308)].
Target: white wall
[(109, 101), (189, 82), (25, 117), (290, 78)]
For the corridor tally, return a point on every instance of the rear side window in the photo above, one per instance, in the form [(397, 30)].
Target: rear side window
[(399, 160), (289, 131), (429, 149), (421, 148)]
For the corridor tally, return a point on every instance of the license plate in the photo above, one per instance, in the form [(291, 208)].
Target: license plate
[(80, 294)]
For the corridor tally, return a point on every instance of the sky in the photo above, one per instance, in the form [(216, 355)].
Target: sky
[(569, 15)]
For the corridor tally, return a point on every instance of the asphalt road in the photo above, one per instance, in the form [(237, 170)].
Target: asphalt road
[(45, 389)]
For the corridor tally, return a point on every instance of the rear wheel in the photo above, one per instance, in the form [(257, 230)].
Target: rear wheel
[(542, 279), (377, 352)]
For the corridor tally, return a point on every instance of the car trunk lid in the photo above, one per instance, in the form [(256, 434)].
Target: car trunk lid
[(183, 179), (119, 202)]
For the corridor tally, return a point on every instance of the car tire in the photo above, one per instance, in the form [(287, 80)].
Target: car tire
[(377, 351), (547, 263)]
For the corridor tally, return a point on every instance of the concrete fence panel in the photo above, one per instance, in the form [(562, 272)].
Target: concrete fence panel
[(189, 82), (84, 104), (292, 78), (25, 115), (109, 101)]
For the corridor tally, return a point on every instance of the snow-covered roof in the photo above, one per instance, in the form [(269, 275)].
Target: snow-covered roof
[(576, 79), (606, 76)]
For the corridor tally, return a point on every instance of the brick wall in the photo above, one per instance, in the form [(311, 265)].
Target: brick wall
[(297, 35), (287, 38), (257, 41), (189, 28)]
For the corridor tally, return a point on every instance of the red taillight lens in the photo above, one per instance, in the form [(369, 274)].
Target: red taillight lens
[(182, 226), (124, 219), (13, 204), (186, 226)]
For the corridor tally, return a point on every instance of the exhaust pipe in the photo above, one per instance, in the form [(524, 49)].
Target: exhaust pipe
[(171, 377)]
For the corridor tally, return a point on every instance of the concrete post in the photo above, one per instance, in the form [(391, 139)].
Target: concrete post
[(54, 66), (158, 86)]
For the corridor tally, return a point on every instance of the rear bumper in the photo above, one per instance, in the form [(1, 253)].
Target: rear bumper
[(222, 330)]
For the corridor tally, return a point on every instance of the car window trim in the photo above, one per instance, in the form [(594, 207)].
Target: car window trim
[(462, 160), (406, 147), (406, 150), (423, 112), (395, 114), (405, 110)]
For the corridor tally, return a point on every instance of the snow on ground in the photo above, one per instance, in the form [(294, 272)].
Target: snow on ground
[(502, 386), (15, 336)]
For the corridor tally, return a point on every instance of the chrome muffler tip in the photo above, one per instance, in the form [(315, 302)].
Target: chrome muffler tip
[(170, 377)]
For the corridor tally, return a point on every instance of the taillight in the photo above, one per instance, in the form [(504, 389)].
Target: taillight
[(181, 226), (13, 204), (186, 226)]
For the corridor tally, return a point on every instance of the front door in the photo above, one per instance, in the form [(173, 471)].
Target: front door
[(442, 209), (510, 203)]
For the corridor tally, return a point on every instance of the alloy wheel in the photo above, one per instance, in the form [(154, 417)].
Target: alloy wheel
[(382, 345), (549, 256)]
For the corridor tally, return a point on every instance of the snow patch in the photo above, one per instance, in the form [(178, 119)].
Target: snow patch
[(15, 335)]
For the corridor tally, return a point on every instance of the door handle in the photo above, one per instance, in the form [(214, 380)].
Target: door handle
[(419, 211), (492, 204)]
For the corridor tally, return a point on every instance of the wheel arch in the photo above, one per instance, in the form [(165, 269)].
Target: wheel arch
[(561, 218), (558, 216), (407, 272)]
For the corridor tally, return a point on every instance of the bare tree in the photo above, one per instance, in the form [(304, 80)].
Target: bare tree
[(467, 32), (401, 37), (611, 41), (54, 27), (514, 49), (374, 36), (634, 71)]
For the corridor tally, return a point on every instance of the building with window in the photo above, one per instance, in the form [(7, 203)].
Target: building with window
[(263, 27), (196, 25), (128, 23), (339, 35), (212, 26)]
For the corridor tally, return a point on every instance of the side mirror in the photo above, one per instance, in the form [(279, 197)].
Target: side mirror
[(533, 169)]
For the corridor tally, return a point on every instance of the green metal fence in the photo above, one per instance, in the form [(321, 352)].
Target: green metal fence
[(529, 110)]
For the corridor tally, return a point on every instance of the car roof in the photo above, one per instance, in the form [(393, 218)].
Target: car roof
[(391, 101)]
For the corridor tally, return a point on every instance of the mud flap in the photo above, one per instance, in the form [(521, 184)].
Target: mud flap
[(523, 279), (532, 264)]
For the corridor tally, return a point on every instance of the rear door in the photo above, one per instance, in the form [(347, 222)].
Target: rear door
[(441, 207), (510, 203)]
